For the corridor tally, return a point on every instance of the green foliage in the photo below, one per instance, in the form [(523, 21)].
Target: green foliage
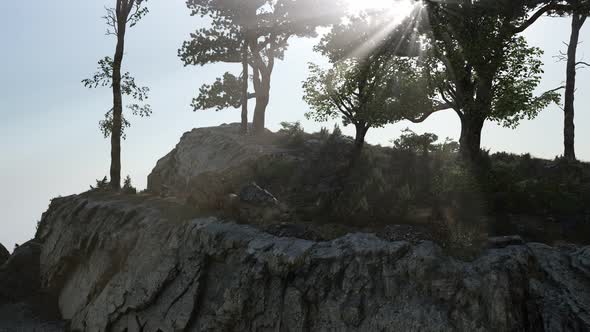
[(101, 185), (294, 133), (324, 133), (480, 66), (104, 78), (515, 84), (265, 25), (224, 93), (410, 141), (374, 92), (128, 187), (336, 132)]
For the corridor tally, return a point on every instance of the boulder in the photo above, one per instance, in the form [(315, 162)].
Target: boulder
[(133, 265), (24, 306), (20, 273), (4, 254), (210, 163)]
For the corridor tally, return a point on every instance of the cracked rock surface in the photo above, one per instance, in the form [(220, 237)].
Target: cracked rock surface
[(117, 264)]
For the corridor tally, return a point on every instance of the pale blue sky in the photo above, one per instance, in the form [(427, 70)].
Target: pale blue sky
[(51, 143)]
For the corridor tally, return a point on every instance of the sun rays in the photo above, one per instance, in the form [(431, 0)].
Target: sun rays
[(385, 16)]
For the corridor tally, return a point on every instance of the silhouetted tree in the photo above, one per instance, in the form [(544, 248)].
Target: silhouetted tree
[(482, 68), (125, 14), (366, 87), (367, 93), (265, 27), (579, 12), (410, 141)]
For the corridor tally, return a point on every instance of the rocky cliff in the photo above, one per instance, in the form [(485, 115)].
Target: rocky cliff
[(193, 255), (117, 263)]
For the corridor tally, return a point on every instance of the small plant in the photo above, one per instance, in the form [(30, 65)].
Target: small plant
[(324, 133), (101, 185), (294, 133), (128, 187), (337, 132)]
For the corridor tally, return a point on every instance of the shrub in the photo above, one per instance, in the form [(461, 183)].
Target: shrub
[(128, 187), (293, 133), (101, 185), (337, 132), (324, 133)]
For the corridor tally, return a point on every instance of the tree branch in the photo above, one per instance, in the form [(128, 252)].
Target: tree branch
[(542, 11), (435, 109)]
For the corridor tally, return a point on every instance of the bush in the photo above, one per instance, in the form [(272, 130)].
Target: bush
[(324, 133), (337, 132), (294, 135), (128, 187), (101, 185)]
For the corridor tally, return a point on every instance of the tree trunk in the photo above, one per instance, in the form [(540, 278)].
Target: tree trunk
[(359, 142), (245, 78), (470, 141), (570, 89), (262, 99), (117, 124)]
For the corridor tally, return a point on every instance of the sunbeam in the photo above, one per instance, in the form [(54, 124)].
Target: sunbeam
[(387, 15)]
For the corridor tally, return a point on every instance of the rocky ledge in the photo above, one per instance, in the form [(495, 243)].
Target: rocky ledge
[(118, 263)]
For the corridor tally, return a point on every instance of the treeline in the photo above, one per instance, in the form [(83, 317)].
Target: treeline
[(468, 57)]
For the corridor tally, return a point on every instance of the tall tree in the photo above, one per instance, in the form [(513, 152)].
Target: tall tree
[(482, 68), (125, 14), (579, 13), (265, 26)]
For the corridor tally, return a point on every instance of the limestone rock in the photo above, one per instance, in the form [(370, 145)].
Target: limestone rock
[(131, 265)]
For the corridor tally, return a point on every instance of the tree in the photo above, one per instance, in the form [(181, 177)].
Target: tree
[(481, 67), (365, 86), (410, 141), (265, 27), (125, 14), (367, 93), (579, 13)]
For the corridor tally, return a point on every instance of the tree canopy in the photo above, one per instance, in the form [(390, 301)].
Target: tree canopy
[(480, 67), (265, 26)]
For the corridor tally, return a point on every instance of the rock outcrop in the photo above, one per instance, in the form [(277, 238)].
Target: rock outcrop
[(119, 264), (209, 163)]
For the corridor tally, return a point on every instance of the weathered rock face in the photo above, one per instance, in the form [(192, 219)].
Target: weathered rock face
[(208, 163), (4, 254), (120, 264)]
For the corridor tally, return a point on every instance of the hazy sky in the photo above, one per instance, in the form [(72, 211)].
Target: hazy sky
[(50, 138)]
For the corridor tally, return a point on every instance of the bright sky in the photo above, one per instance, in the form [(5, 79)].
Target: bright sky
[(51, 142)]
